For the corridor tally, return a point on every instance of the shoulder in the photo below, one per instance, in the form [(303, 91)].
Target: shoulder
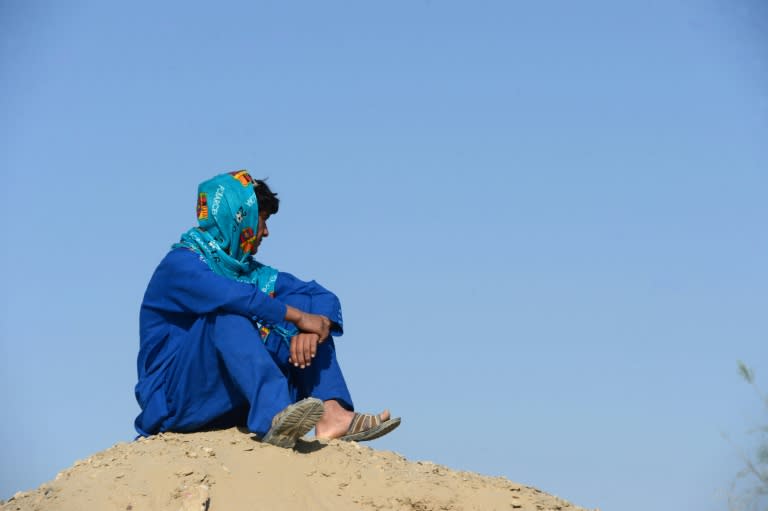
[(182, 257), (180, 261)]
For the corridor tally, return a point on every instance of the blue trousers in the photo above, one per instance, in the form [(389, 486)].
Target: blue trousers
[(223, 375)]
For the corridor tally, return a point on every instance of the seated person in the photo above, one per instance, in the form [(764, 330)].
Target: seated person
[(227, 341)]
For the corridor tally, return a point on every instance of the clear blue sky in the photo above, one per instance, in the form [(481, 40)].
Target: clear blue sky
[(546, 220)]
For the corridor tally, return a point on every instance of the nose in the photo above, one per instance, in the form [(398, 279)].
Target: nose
[(266, 231)]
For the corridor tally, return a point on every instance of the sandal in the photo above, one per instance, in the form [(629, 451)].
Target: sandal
[(294, 422), (366, 426)]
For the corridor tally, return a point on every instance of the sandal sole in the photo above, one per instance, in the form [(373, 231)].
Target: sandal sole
[(297, 420)]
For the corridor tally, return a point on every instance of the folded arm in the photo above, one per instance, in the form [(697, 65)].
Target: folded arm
[(183, 283)]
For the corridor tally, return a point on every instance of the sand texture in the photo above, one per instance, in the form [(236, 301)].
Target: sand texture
[(230, 471)]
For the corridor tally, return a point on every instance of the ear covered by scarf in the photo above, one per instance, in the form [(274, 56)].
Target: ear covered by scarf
[(228, 219), (228, 210)]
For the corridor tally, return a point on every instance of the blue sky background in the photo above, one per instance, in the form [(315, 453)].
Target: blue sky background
[(546, 220)]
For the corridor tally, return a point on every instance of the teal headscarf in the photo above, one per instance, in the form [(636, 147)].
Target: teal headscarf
[(228, 217)]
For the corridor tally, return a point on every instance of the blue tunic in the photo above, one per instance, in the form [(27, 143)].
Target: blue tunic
[(202, 362)]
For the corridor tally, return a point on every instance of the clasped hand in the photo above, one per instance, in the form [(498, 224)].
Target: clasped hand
[(314, 330), (303, 349)]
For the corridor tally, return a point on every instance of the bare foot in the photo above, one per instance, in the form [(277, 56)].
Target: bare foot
[(336, 420)]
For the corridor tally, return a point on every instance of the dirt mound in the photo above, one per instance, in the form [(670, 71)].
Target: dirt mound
[(229, 471)]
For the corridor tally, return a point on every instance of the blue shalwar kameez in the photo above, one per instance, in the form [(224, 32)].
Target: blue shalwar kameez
[(203, 363), (214, 343)]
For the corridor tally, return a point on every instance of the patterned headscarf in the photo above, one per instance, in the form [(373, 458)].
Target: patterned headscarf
[(228, 217)]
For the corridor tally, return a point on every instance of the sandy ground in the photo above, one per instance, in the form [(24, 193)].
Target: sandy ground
[(230, 471)]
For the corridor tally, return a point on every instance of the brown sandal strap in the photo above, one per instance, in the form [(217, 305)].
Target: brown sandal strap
[(363, 422)]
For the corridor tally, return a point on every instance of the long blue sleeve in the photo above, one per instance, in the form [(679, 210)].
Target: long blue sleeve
[(182, 283)]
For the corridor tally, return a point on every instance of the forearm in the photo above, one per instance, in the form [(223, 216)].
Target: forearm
[(293, 315)]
